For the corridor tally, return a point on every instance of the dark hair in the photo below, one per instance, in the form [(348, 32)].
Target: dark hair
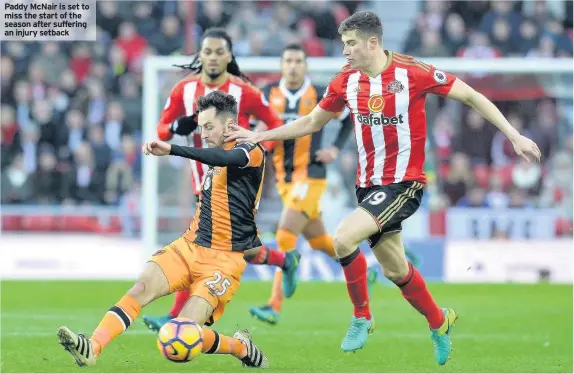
[(223, 103), (294, 47), (218, 33), (365, 23)]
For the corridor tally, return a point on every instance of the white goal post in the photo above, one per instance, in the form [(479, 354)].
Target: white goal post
[(152, 106)]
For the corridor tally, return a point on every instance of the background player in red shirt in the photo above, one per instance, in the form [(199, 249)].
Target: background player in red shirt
[(213, 68), (386, 95)]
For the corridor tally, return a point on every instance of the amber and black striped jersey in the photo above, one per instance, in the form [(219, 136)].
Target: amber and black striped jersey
[(225, 217), (295, 159)]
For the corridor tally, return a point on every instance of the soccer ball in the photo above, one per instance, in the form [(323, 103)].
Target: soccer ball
[(180, 340)]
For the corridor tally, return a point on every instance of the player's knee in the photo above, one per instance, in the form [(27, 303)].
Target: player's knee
[(322, 242), (343, 244), (286, 240), (150, 285)]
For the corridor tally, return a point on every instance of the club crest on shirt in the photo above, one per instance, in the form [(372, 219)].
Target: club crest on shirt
[(395, 87)]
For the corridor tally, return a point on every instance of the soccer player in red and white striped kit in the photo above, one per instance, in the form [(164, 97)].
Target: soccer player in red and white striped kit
[(386, 93), (214, 68)]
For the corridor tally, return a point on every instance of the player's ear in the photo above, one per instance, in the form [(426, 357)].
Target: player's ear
[(372, 42), (229, 121)]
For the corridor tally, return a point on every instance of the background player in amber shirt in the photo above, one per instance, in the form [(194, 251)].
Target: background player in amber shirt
[(301, 174), (208, 258), (213, 68), (386, 97)]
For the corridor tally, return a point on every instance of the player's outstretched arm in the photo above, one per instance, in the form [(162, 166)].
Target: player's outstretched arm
[(302, 126), (523, 146), (208, 156)]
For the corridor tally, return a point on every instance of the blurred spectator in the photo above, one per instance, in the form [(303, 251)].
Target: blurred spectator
[(114, 126), (475, 198), (474, 138), (479, 47), (502, 37), (557, 185), (434, 14), (310, 41), (413, 40), (453, 33), (102, 152), (500, 10), (518, 199), (52, 60), (459, 179), (122, 171), (16, 185), (546, 48), (81, 62), (74, 130), (496, 198), (170, 39), (83, 183), (543, 127), (43, 119), (130, 99), (29, 144), (10, 136), (529, 35), (147, 25), (107, 18), (130, 42), (212, 14), (48, 178), (37, 78), (431, 45), (7, 80), (325, 22)]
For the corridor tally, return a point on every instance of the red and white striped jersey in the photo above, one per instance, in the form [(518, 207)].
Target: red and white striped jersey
[(389, 115), (182, 102)]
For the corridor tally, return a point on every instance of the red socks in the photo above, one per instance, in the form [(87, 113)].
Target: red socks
[(276, 258), (268, 256), (414, 290), (179, 301), (355, 269)]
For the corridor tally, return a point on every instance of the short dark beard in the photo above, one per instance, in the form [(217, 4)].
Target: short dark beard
[(214, 76)]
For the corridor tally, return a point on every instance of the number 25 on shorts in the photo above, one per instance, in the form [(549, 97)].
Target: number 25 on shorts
[(218, 285)]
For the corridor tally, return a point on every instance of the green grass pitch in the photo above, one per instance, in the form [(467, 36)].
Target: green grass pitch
[(502, 328)]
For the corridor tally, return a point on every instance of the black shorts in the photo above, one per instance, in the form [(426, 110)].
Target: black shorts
[(390, 205)]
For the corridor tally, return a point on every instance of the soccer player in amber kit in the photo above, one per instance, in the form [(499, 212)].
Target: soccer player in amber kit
[(213, 68), (385, 93), (208, 258)]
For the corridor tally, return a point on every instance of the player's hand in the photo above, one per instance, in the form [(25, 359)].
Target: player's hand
[(327, 155), (526, 149), (156, 148), (184, 126), (241, 135)]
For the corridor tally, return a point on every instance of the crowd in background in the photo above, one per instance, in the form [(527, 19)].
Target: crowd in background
[(71, 113)]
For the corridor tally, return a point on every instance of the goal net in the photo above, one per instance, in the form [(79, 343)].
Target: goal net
[(515, 84)]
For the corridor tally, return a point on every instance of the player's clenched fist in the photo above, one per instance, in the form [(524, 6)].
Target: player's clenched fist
[(156, 148)]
